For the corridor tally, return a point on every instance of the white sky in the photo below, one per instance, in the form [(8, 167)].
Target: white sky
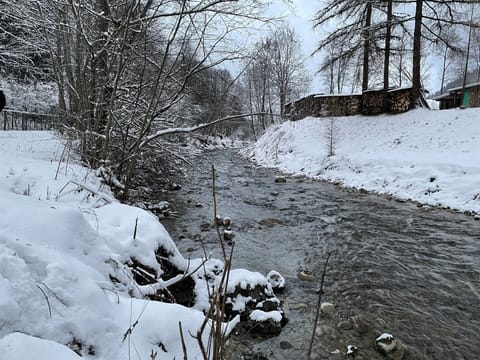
[(299, 14)]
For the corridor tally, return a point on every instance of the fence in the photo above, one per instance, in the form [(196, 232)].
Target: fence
[(24, 120)]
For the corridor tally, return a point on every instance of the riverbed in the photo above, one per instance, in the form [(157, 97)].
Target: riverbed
[(395, 267)]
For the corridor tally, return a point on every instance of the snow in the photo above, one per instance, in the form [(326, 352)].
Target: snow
[(240, 302), (62, 235), (351, 349), (259, 315), (246, 279), (384, 336), (276, 279), (18, 346), (427, 156)]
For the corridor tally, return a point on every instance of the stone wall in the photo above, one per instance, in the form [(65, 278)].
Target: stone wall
[(368, 103)]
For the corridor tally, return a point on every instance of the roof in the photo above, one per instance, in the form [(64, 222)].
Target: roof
[(449, 91), (442, 96)]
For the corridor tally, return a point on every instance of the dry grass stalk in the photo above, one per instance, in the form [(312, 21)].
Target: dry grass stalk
[(319, 303)]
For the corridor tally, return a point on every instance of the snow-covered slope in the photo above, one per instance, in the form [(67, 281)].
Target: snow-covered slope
[(427, 156), (59, 245)]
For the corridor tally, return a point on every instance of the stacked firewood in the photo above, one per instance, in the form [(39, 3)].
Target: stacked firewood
[(399, 100), (372, 102)]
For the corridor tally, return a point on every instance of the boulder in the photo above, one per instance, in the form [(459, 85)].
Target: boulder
[(228, 235)]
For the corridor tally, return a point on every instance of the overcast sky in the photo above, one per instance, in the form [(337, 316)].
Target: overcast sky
[(299, 14)]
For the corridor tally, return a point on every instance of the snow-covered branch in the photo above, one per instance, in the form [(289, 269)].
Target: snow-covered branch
[(190, 129)]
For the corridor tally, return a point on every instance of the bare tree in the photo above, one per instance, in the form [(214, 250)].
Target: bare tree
[(259, 76), (386, 64), (337, 69), (23, 55), (357, 34), (123, 67), (275, 75), (290, 77), (449, 55), (429, 18)]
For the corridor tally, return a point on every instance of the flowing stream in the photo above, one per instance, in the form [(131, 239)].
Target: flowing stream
[(408, 271)]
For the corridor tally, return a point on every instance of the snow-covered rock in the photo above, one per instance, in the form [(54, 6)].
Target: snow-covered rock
[(250, 293), (386, 343), (276, 280)]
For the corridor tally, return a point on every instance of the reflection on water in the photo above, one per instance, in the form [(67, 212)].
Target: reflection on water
[(407, 271)]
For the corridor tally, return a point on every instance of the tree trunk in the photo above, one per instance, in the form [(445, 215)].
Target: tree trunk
[(366, 44), (283, 97), (386, 66), (417, 54), (465, 71), (444, 70)]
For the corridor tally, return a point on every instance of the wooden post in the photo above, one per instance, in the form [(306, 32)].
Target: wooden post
[(4, 121)]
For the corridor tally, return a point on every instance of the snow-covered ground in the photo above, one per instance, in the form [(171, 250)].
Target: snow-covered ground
[(62, 235), (432, 157)]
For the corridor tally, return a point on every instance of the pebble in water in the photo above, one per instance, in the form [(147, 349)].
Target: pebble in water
[(386, 343), (306, 275), (327, 308)]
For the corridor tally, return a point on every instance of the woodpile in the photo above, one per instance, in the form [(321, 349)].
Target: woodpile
[(399, 100), (324, 105), (371, 102)]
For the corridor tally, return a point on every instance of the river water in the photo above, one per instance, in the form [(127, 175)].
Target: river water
[(400, 269)]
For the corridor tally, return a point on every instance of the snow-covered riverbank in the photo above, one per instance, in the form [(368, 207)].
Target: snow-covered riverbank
[(426, 156), (70, 255)]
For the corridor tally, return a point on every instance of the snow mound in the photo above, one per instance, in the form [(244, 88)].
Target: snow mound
[(63, 239), (18, 346)]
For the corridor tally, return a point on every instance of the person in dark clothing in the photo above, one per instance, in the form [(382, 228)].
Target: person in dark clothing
[(2, 100)]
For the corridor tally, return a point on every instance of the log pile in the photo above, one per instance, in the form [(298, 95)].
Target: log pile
[(371, 102), (340, 105), (324, 105), (399, 100)]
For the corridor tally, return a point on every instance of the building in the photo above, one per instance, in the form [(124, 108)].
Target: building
[(457, 97)]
